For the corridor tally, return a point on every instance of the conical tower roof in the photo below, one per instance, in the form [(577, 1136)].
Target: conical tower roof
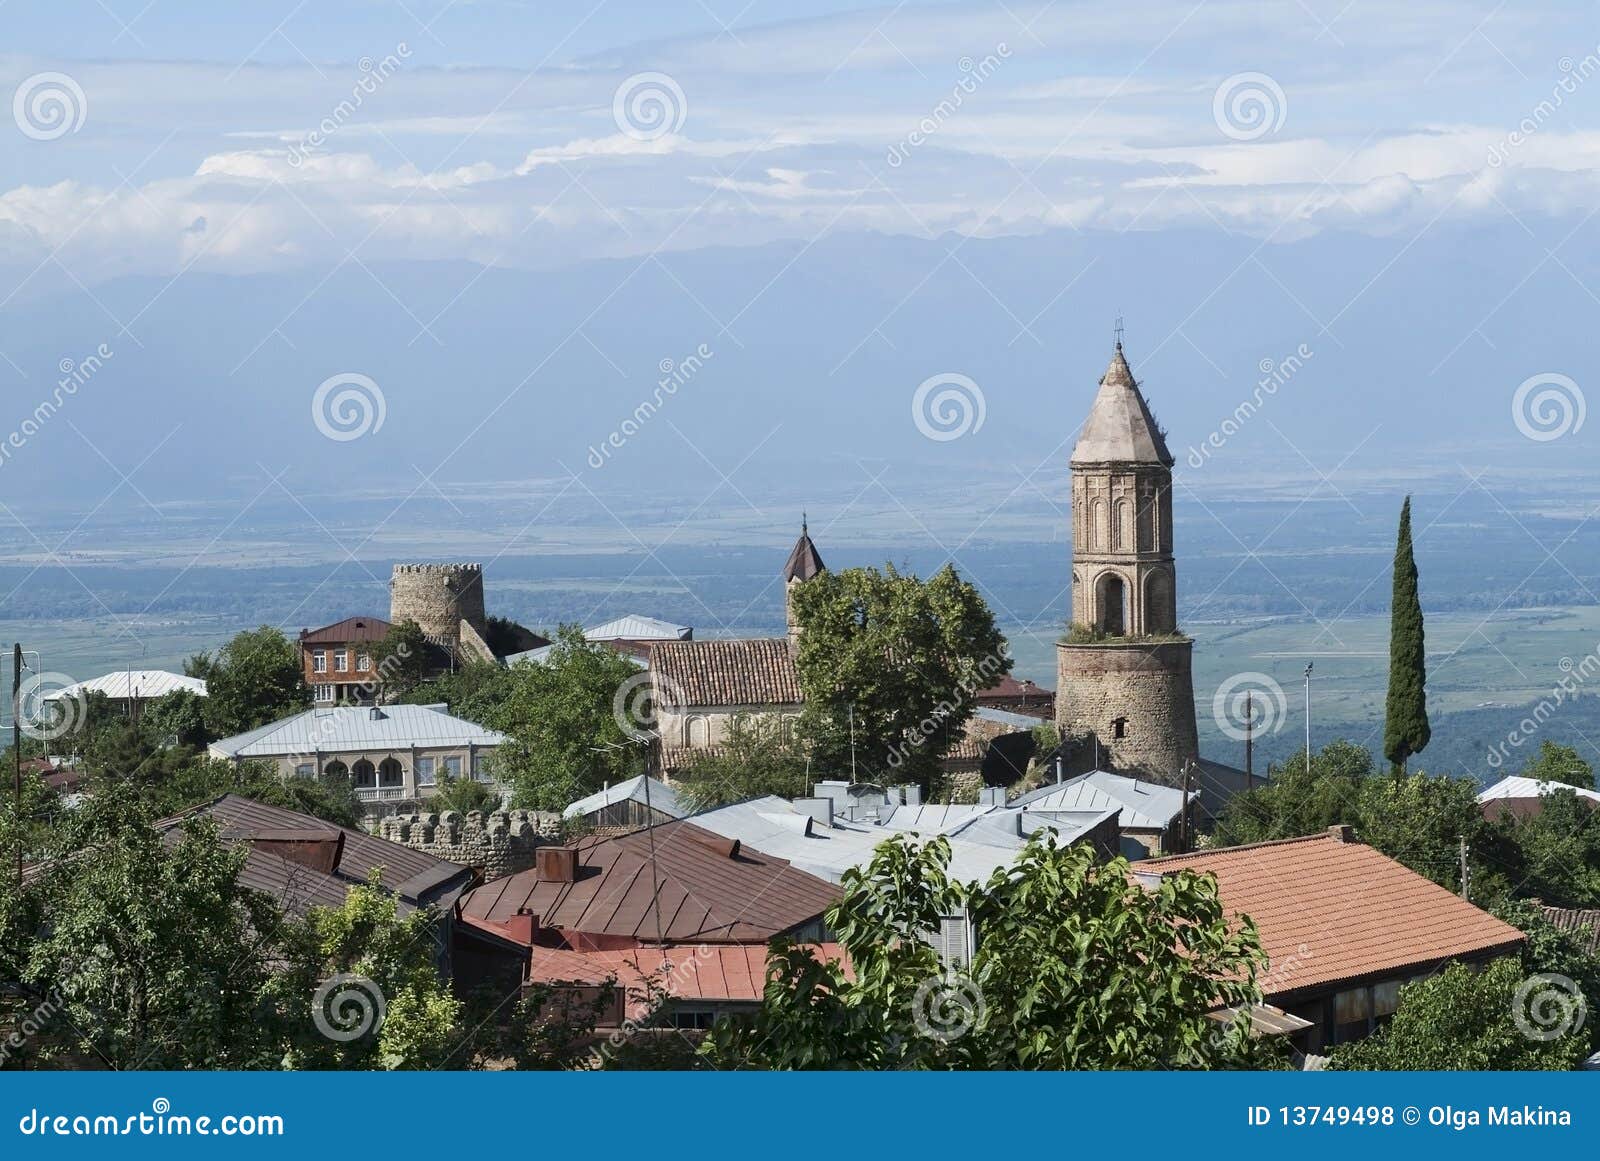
[(804, 561), (1120, 428)]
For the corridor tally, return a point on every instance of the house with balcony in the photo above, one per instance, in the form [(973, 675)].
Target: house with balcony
[(337, 663), (391, 753)]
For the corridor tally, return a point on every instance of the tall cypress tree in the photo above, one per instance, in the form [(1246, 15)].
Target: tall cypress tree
[(1405, 727)]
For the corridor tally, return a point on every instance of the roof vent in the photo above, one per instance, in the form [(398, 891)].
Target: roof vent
[(1343, 833), (728, 848), (376, 714), (556, 864)]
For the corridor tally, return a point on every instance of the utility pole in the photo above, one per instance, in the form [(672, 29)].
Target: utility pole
[(1308, 717), (1188, 821), (1249, 725), (852, 710), (16, 742), (1464, 871)]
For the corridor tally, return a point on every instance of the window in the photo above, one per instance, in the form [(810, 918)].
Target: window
[(341, 661), (336, 769), (1119, 727), (452, 767), (363, 662), (477, 768), (319, 661), (323, 692), (364, 774), (695, 1018), (305, 770), (391, 774), (424, 771)]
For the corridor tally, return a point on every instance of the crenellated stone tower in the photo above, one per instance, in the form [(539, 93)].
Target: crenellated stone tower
[(446, 602), (1123, 670)]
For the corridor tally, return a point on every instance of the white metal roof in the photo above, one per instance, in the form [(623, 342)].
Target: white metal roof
[(661, 798), (635, 627), (1517, 786), (989, 841), (145, 683), (349, 728), (1145, 805)]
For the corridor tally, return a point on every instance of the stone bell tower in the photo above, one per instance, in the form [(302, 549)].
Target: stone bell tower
[(1123, 669), (804, 563)]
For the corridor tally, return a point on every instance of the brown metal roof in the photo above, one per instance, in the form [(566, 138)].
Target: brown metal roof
[(804, 560), (750, 671), (1331, 910), (705, 896), (348, 631), (417, 878)]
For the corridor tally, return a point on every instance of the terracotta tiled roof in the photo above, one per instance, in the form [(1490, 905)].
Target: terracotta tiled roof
[(707, 895), (349, 630), (1331, 910), (750, 671)]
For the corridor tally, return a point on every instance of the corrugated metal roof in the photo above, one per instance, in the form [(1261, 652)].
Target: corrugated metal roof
[(1518, 787), (415, 877), (705, 895), (145, 683), (1145, 805), (636, 627), (348, 728), (662, 798), (350, 629)]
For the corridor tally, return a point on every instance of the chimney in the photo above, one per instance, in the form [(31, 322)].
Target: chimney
[(376, 714), (820, 809), (523, 926), (913, 794), (556, 864), (1343, 833), (320, 850), (992, 796)]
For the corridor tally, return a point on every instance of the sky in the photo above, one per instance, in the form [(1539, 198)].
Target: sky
[(247, 137)]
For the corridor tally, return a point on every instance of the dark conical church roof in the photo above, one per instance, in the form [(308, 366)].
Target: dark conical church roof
[(804, 561), (1120, 428)]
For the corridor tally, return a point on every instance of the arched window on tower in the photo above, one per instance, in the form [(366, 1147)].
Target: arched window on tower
[(1102, 527), (1111, 601), (1125, 536)]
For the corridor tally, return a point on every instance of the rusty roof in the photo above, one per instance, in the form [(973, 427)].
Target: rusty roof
[(804, 560), (351, 629), (747, 671), (704, 971), (417, 878), (1331, 910), (707, 895)]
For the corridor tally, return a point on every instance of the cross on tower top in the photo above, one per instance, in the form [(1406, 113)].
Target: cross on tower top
[(1117, 330)]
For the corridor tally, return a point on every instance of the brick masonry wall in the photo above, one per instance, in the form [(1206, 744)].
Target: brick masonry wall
[(500, 843), (1150, 685)]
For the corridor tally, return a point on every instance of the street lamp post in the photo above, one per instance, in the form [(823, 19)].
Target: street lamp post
[(1308, 717)]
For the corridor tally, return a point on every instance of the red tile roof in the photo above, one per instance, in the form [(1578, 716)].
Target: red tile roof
[(706, 895), (752, 671), (1331, 910)]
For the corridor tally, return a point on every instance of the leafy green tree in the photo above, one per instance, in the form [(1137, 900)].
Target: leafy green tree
[(462, 795), (179, 715), (155, 950), (565, 736), (1421, 820), (891, 666), (758, 757), (1405, 729), (1563, 764), (1558, 951), (254, 679), (361, 989), (1292, 802), (1463, 1019), (1554, 856), (401, 659), (1077, 966), (476, 691)]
